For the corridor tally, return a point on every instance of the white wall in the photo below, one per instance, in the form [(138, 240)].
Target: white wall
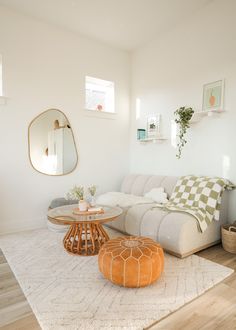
[(169, 73), (45, 67)]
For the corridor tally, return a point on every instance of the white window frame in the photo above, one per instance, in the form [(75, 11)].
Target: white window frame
[(101, 85)]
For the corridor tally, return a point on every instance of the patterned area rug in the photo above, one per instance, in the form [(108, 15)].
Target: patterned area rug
[(68, 292)]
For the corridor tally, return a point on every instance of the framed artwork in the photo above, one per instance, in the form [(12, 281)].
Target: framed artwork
[(213, 94), (153, 125)]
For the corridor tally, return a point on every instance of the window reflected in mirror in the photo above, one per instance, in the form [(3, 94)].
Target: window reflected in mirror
[(52, 149)]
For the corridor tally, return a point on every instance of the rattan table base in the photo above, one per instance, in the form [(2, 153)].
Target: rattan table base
[(85, 238)]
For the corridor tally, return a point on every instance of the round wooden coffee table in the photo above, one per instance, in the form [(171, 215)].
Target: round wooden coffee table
[(86, 234)]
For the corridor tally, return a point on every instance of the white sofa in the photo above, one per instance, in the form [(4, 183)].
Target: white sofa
[(178, 233)]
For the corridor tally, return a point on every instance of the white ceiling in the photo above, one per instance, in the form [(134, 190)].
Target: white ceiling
[(126, 24)]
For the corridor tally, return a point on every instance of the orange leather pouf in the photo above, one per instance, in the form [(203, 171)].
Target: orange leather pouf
[(131, 261)]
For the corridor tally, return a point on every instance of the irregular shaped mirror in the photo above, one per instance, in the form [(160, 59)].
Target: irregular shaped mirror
[(52, 149)]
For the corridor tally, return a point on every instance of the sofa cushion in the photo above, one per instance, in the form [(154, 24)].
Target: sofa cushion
[(134, 218), (115, 198), (169, 183), (158, 195), (127, 183), (154, 181), (176, 232), (119, 223), (140, 184), (179, 233)]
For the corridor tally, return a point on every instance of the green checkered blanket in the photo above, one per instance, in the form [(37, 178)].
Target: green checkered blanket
[(198, 196)]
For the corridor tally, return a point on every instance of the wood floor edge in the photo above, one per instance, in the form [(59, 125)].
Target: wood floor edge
[(189, 302), (17, 320), (25, 323)]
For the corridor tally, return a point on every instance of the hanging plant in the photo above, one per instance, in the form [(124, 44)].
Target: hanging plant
[(183, 116)]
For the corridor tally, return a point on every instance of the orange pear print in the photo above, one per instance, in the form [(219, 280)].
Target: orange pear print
[(212, 100)]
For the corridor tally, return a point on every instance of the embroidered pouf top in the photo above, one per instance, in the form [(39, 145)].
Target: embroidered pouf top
[(131, 261)]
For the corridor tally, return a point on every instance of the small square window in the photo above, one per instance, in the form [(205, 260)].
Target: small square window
[(99, 95)]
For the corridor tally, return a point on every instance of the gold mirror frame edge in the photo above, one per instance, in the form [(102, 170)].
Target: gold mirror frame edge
[(73, 141)]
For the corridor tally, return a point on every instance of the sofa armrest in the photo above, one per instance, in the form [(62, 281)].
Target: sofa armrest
[(180, 235)]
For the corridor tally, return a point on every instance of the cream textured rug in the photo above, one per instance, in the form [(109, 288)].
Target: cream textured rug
[(68, 292)]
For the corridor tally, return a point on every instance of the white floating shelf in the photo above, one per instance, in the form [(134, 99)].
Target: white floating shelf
[(197, 116), (161, 138)]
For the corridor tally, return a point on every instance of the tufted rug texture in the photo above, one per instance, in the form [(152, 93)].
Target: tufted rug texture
[(68, 292)]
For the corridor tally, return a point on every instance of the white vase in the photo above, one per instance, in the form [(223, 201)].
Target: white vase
[(83, 205), (92, 201)]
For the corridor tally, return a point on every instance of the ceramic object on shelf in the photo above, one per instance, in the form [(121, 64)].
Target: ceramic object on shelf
[(141, 133)]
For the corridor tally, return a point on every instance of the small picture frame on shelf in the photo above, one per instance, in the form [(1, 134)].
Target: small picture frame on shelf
[(153, 125), (213, 96)]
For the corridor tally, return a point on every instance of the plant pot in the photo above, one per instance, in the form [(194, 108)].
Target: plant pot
[(83, 205)]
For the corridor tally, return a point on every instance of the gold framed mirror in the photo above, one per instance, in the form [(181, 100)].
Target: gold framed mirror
[(51, 143)]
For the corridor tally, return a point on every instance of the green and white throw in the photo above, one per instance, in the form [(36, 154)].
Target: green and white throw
[(198, 196)]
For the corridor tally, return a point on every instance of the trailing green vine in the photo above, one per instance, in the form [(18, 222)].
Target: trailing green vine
[(183, 116)]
